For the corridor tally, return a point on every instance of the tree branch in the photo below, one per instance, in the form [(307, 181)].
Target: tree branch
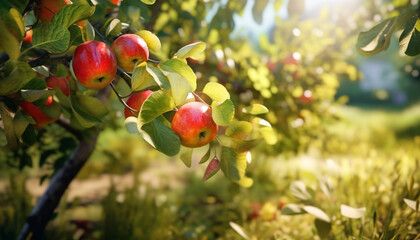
[(43, 210)]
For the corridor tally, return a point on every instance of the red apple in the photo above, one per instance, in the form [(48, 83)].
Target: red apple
[(94, 64), (194, 124), (46, 9), (28, 37), (130, 49), (115, 2), (61, 83), (135, 101), (35, 112), (49, 101)]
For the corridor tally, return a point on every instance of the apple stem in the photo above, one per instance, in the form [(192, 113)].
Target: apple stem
[(133, 111), (123, 74)]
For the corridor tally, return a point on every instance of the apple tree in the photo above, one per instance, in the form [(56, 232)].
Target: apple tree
[(61, 62), (280, 68)]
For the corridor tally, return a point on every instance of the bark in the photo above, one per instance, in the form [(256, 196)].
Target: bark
[(42, 212), (44, 208)]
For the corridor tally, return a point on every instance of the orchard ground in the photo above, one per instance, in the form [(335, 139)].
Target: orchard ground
[(369, 166)]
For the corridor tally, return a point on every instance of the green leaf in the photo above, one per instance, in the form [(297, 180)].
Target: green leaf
[(351, 212), (17, 17), (141, 78), (131, 125), (255, 109), (292, 209), (410, 38), (114, 28), (158, 76), (29, 136), (148, 2), (238, 129), (193, 50), (212, 168), (376, 39), (239, 230), (180, 67), (20, 122), (245, 182), (11, 33), (179, 88), (33, 95), (323, 228), (17, 75), (19, 5), (155, 105), (88, 32), (206, 156), (186, 156), (298, 189), (6, 117), (216, 91), (72, 13), (88, 110), (244, 145), (163, 138), (51, 37), (233, 164), (316, 212), (269, 135), (223, 113), (53, 110)]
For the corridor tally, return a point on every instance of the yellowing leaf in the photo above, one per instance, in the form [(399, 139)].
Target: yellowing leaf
[(255, 109), (216, 91), (223, 113), (193, 50)]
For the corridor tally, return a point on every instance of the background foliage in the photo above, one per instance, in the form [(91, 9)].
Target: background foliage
[(324, 170)]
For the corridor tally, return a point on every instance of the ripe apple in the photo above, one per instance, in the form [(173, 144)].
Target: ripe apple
[(35, 112), (130, 50), (28, 37), (194, 124), (46, 9), (94, 64), (135, 101), (61, 83)]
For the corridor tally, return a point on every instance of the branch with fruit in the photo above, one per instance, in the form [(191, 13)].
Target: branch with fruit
[(63, 69)]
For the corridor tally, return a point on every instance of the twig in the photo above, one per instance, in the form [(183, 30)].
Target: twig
[(64, 123), (132, 110), (153, 61), (46, 205), (47, 60), (43, 210), (199, 98)]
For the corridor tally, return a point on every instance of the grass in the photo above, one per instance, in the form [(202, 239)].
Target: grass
[(371, 162)]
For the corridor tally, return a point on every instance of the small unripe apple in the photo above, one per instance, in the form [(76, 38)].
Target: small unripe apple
[(28, 37), (135, 101), (130, 50), (194, 124), (61, 83), (94, 64), (46, 9), (35, 112)]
